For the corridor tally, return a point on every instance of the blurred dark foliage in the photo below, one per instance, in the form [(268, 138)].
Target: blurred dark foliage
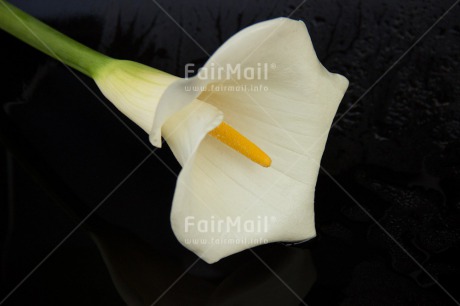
[(396, 152)]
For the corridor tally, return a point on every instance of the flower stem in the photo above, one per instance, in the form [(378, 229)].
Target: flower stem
[(51, 42)]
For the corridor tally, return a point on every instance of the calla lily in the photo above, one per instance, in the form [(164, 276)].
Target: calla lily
[(290, 122), (224, 202)]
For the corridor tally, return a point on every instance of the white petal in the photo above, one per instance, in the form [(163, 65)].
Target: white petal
[(135, 89), (185, 130), (173, 99), (290, 122)]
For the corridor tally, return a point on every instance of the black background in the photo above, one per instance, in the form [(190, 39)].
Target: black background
[(396, 153)]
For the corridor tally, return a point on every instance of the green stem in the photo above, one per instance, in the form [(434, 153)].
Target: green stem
[(51, 42)]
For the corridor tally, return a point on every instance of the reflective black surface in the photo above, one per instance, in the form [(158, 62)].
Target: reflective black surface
[(396, 153)]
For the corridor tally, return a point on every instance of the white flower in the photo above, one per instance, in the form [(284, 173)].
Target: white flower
[(223, 202)]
